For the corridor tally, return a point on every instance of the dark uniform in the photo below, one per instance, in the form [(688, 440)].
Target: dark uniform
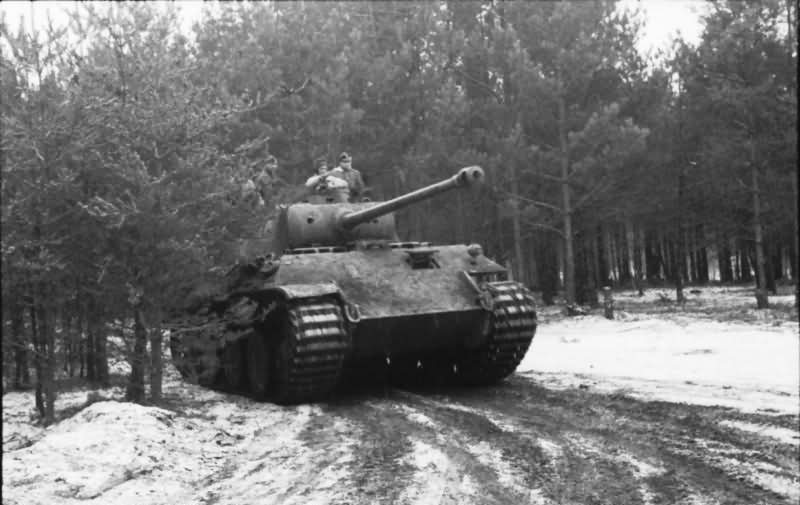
[(350, 175), (328, 184), (265, 180)]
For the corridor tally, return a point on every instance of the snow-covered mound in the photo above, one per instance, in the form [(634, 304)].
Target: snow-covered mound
[(123, 453)]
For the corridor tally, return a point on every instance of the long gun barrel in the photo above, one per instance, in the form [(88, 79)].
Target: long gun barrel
[(466, 177)]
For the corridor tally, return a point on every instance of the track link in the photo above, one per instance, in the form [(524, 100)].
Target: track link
[(513, 323), (311, 354)]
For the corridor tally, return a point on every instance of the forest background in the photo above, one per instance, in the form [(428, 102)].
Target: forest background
[(123, 154)]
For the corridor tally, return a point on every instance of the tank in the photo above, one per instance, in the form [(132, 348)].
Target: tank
[(333, 290)]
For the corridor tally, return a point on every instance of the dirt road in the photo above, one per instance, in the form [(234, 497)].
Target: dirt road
[(510, 444)]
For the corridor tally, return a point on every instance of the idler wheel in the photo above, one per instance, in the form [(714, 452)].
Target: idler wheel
[(258, 360)]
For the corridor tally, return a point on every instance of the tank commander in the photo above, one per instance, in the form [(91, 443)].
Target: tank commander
[(328, 184), (352, 176)]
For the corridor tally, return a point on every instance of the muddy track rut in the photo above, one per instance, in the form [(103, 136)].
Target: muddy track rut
[(510, 444)]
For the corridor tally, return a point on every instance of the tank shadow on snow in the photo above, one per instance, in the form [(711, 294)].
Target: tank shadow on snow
[(334, 293)]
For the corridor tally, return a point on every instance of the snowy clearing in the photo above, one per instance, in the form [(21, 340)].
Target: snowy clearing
[(745, 366)]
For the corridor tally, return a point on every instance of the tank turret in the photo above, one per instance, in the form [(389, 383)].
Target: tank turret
[(337, 224)]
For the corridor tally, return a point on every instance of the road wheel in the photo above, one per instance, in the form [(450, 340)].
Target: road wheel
[(233, 367), (258, 360), (196, 365)]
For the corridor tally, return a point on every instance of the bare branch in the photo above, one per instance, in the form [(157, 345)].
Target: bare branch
[(603, 185), (545, 227), (536, 202), (481, 84), (547, 176)]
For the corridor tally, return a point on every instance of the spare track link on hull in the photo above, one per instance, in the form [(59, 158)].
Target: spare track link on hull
[(513, 326), (310, 358)]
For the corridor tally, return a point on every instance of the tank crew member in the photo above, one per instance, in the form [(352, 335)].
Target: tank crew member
[(346, 171), (327, 184), (267, 177), (250, 195)]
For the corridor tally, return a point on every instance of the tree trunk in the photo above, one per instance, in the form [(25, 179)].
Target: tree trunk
[(156, 364), (599, 281), (769, 268), (45, 390), (642, 258), (533, 267), (762, 301), (89, 346), (724, 260), (82, 334), (96, 357), (610, 277), (616, 271), (569, 256), (796, 245), (38, 355), (519, 260), (584, 275), (666, 256), (49, 372), (679, 256), (549, 272), (702, 255), (135, 389), (631, 263), (691, 260), (745, 264), (621, 251), (22, 376), (737, 262)]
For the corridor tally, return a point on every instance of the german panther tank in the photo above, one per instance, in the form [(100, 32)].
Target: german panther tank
[(337, 289)]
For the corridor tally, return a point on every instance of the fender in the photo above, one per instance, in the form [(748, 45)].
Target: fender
[(300, 291)]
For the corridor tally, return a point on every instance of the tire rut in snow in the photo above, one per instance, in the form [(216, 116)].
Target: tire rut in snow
[(378, 472), (506, 468), (605, 440)]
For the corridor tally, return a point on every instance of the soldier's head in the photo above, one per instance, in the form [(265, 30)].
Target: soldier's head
[(321, 165), (345, 161), (271, 164)]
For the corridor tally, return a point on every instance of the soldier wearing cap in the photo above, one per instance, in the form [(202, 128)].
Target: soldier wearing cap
[(328, 184), (352, 176)]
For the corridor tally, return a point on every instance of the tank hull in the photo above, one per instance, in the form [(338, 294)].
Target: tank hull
[(382, 283)]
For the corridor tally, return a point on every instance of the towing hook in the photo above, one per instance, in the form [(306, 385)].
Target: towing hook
[(352, 313), (486, 301)]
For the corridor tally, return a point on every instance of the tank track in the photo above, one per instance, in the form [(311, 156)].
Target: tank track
[(309, 358), (513, 323)]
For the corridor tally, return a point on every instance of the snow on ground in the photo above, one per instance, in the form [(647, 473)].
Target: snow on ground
[(123, 453), (783, 435), (431, 476), (743, 365), (238, 451), (747, 466)]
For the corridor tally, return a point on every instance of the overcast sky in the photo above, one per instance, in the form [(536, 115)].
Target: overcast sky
[(664, 18)]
